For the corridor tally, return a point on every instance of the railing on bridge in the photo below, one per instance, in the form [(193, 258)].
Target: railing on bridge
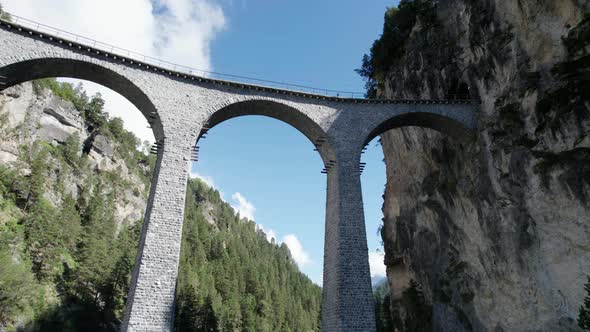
[(169, 66), (46, 30)]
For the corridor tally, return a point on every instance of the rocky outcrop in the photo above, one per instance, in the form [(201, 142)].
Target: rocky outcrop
[(29, 114), (496, 229)]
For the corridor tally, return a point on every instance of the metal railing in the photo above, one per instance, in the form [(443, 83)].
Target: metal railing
[(169, 66)]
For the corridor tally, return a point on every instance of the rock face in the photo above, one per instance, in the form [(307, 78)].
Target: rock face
[(27, 115), (495, 229)]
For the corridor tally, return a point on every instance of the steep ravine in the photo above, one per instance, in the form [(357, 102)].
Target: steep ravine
[(494, 227)]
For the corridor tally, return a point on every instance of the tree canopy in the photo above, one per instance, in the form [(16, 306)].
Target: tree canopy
[(231, 278)]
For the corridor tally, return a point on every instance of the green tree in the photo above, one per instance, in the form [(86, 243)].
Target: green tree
[(71, 148), (97, 256), (117, 286), (44, 239), (17, 284), (385, 51), (192, 316), (418, 311), (36, 155), (70, 223), (382, 307), (187, 311), (367, 71), (93, 113), (584, 315)]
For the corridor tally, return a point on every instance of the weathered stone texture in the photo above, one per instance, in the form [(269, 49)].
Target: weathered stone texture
[(497, 232)]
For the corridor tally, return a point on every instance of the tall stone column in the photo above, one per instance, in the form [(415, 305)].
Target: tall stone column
[(150, 304), (347, 303)]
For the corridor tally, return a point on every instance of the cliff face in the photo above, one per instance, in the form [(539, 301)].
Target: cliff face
[(495, 228), (35, 114)]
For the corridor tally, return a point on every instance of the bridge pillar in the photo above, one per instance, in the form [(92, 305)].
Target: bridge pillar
[(150, 303), (347, 303)]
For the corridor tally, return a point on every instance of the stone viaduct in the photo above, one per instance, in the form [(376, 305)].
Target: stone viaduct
[(180, 107)]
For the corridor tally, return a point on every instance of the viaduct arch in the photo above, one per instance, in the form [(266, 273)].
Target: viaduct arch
[(277, 110), (37, 68), (181, 106)]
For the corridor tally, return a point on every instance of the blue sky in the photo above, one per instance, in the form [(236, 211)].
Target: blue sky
[(269, 163), (309, 42), (265, 168)]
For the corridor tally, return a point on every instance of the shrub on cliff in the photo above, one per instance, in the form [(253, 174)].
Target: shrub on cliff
[(398, 25)]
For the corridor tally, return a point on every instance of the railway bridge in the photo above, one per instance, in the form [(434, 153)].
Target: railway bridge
[(181, 104)]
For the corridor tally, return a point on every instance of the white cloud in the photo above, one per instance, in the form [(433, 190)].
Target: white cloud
[(244, 207), (300, 256), (178, 31), (377, 265), (186, 29)]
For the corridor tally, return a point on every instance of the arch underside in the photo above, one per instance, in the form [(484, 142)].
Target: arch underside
[(277, 111), (441, 123), (33, 69)]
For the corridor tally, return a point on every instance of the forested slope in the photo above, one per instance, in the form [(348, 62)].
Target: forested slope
[(72, 193), (73, 190), (232, 279)]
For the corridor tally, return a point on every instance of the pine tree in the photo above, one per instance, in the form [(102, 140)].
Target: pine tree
[(209, 321), (584, 316), (71, 149), (44, 239), (70, 223), (96, 254), (38, 155), (18, 288)]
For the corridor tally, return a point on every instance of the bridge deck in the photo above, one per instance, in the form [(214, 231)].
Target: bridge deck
[(75, 41)]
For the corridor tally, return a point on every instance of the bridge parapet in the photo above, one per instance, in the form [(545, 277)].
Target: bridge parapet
[(97, 48)]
